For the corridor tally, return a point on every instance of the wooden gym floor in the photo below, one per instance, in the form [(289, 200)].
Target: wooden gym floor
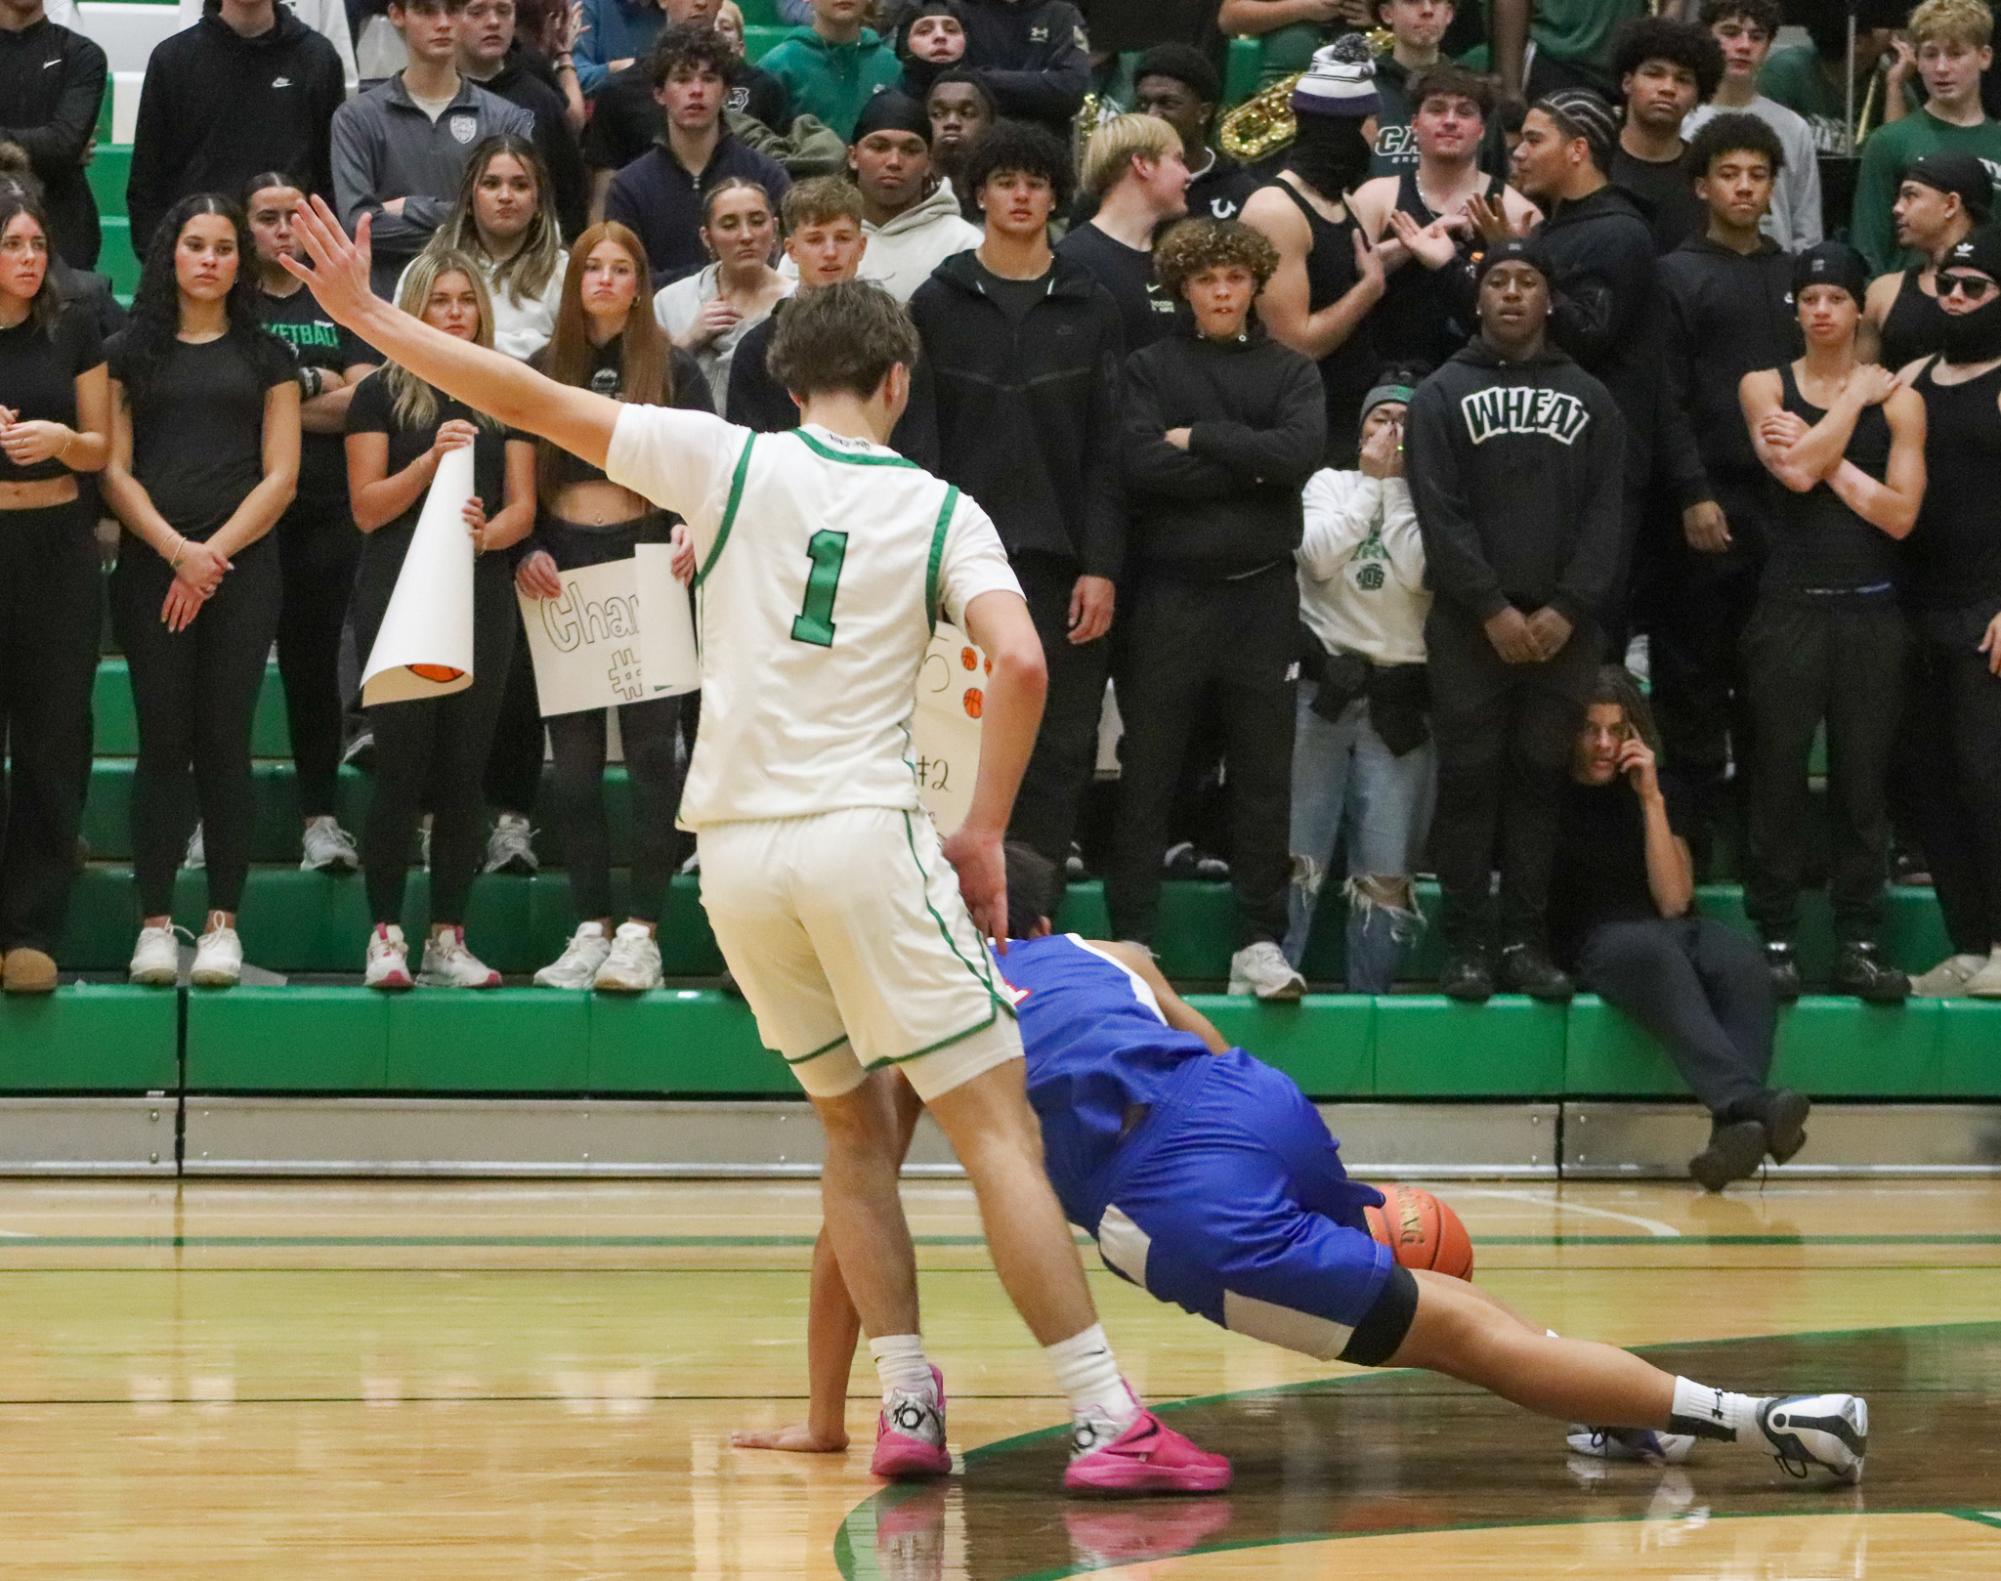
[(512, 1380)]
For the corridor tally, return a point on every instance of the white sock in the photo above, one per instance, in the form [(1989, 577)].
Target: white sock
[(1088, 1372), (901, 1364), (1715, 1413)]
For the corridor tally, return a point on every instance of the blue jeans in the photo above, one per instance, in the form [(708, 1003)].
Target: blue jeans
[(1343, 772)]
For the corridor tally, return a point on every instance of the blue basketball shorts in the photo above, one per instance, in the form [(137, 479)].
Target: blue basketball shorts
[(1234, 1206)]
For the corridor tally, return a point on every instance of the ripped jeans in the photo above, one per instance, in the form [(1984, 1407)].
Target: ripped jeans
[(1343, 774)]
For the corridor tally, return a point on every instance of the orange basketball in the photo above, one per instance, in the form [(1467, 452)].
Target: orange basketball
[(1422, 1231), (439, 673), (975, 702)]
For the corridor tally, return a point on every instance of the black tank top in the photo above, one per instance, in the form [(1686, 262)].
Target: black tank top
[(1418, 316), (1955, 553), (1821, 548), (1348, 371), (1915, 325)]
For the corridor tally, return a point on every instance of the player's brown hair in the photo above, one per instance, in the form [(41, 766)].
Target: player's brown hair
[(843, 337)]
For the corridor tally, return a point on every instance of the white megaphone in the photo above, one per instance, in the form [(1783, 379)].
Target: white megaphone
[(424, 648)]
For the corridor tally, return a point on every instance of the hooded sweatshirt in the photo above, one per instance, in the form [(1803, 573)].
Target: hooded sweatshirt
[(1033, 54), (1516, 468), (52, 86), (1256, 417), (1028, 411), (833, 81), (1728, 315), (217, 109)]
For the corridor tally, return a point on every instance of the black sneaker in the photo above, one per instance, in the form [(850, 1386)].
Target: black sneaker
[(1527, 969), (1736, 1149), (1178, 861), (1466, 976), (1784, 966), (1858, 970), (1074, 870), (1211, 868), (1782, 1113)]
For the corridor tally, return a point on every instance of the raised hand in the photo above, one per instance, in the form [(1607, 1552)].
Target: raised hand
[(338, 273), (1490, 219)]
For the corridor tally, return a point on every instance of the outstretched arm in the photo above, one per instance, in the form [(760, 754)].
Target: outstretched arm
[(576, 419)]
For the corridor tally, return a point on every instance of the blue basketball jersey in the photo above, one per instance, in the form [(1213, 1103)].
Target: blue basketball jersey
[(1096, 1045)]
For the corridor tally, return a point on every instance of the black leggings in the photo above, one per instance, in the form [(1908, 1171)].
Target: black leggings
[(194, 693), (51, 612), (317, 551), (432, 753), (577, 741), (1704, 993)]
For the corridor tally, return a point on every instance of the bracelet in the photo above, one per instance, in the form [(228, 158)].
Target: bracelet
[(310, 380), (63, 448), (180, 549)]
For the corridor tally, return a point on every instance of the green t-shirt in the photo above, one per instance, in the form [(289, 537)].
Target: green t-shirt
[(1886, 156), (1289, 49), (1579, 30)]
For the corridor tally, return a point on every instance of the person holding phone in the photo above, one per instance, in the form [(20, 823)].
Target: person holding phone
[(1622, 917)]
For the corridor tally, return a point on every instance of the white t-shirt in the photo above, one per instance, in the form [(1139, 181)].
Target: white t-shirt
[(823, 565), (522, 326)]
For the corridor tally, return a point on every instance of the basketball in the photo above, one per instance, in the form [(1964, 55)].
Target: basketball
[(440, 673), (1422, 1231)]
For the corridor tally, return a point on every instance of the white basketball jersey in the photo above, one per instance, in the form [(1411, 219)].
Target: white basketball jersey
[(823, 565)]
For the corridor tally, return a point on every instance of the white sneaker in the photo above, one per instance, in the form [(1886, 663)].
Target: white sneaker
[(1827, 1431), (510, 848), (580, 960), (197, 852), (1630, 1443), (633, 967), (156, 959), (218, 959), (449, 964), (326, 847), (1986, 982), (1262, 969), (388, 959)]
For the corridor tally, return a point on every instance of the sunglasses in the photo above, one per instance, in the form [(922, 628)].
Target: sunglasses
[(1974, 287)]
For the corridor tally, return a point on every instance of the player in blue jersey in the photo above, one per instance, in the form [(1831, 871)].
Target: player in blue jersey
[(1208, 1179)]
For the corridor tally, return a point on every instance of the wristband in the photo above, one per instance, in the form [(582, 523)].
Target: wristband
[(311, 381)]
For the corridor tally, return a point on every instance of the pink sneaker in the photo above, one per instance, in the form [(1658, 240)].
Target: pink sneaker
[(1148, 1457), (904, 1445)]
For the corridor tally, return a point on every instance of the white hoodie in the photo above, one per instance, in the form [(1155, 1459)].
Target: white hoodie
[(1361, 567), (902, 254)]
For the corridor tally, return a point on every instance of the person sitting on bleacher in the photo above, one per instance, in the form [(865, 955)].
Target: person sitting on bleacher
[(835, 66), (55, 429), (1622, 916)]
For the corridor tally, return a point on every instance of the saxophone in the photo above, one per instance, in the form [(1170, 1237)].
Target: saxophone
[(1263, 123)]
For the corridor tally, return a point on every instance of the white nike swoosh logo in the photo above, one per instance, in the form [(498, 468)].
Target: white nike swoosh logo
[(48, 63)]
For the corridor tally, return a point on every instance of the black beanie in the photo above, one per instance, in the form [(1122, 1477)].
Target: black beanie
[(893, 112)]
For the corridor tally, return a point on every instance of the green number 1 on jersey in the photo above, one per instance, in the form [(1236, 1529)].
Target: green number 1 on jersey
[(815, 620)]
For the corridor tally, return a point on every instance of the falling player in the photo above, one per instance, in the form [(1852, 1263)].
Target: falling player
[(824, 562), (1210, 1181)]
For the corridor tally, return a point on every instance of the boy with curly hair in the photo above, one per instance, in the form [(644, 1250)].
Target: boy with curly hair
[(1223, 426)]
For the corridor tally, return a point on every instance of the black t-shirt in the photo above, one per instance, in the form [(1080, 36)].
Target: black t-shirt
[(1666, 191), (1015, 298), (198, 426), (316, 342), (1600, 873), (690, 394), (38, 372), (370, 412), (1127, 272)]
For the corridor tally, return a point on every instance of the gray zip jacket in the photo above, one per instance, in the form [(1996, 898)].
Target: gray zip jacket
[(385, 147)]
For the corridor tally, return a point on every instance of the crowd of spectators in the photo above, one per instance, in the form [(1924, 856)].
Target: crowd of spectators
[(1347, 473)]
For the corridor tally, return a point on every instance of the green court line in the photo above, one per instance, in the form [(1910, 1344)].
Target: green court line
[(1978, 1517), (31, 1242)]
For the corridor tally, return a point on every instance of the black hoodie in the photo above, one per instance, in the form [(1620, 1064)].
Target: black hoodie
[(1516, 471), (1602, 251), (217, 109), (1028, 413), (51, 88), (1256, 417), (1728, 314), (1033, 54)]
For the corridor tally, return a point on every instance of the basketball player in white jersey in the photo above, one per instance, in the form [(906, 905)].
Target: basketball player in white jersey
[(821, 561)]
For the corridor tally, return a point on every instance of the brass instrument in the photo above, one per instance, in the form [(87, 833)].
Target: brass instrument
[(1263, 124)]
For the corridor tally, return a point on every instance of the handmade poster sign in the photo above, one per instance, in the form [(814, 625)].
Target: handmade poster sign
[(585, 641), (951, 696), (424, 648), (667, 655)]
